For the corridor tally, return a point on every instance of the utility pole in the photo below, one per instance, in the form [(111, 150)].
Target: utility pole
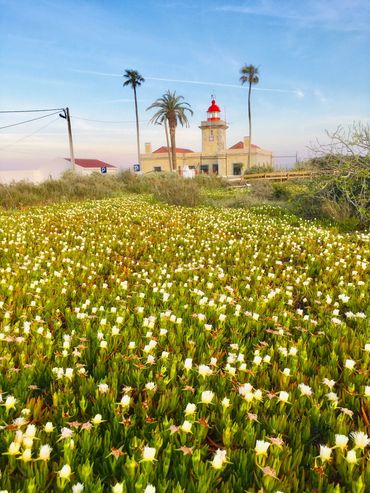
[(67, 117)]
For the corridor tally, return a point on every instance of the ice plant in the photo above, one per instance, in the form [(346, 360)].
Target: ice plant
[(325, 453), (261, 447), (149, 454), (219, 459)]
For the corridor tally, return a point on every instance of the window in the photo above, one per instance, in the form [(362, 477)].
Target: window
[(215, 169), (237, 169), (204, 168), (157, 169)]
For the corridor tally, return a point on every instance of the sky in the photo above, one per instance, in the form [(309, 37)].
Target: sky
[(312, 55)]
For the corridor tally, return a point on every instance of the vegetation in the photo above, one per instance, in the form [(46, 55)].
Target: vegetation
[(344, 194), (249, 76), (172, 109), (146, 347), (134, 80)]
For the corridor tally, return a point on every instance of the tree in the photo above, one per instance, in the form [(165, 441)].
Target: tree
[(249, 75), (134, 79), (341, 188), (172, 110)]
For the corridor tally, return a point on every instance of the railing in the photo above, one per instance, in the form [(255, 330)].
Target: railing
[(278, 175)]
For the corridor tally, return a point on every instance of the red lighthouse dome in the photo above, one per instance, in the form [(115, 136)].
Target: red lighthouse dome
[(213, 111)]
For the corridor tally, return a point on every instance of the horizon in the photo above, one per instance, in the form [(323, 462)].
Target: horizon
[(305, 54)]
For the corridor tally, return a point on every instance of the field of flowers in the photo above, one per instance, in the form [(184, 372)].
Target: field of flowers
[(150, 348)]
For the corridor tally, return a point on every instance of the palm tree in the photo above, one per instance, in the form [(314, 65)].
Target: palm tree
[(249, 75), (171, 110), (134, 79)]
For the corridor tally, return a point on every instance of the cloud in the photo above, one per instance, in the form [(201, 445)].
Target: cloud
[(341, 15), (297, 92)]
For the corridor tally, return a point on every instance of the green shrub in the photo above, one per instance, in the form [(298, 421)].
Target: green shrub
[(176, 191)]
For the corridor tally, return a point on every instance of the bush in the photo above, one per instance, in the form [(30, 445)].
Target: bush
[(176, 191), (69, 187)]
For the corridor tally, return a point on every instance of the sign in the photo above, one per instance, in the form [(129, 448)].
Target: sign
[(103, 169), (137, 168)]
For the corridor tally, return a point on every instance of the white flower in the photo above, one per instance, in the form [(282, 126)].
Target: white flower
[(150, 386), (219, 459), (68, 373), (325, 453), (367, 347), (49, 428), (26, 455), (283, 396), (367, 391), (30, 431), (204, 370), (45, 451), (257, 360), (305, 389), (350, 364), (77, 488), (207, 397), (341, 441), (117, 488), (103, 344), (14, 448), (65, 433), (293, 351), (149, 454), (125, 401), (225, 402), (10, 402), (329, 383), (103, 388), (186, 426), (351, 457), (65, 472), (361, 439), (149, 489), (188, 363), (286, 372), (131, 345), (261, 447), (333, 397), (97, 419), (190, 409)]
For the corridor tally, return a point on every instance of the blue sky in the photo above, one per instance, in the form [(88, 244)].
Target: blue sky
[(313, 57)]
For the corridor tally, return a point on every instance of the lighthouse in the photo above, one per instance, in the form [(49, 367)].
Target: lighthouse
[(213, 131)]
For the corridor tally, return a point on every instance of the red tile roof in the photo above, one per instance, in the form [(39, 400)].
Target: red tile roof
[(180, 150), (91, 163), (240, 145)]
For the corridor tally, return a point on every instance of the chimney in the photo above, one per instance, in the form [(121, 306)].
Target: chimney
[(148, 148), (246, 142)]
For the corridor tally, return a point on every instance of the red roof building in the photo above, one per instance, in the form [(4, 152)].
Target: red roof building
[(179, 150), (88, 166)]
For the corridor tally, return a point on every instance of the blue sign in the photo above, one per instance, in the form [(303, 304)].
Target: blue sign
[(136, 168), (103, 169)]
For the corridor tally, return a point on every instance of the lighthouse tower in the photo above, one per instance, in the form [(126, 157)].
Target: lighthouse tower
[(213, 131)]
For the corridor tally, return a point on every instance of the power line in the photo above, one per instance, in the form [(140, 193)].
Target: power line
[(32, 120), (29, 135), (29, 111), (106, 121)]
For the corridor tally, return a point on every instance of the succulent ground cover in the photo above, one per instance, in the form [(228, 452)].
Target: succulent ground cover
[(153, 348)]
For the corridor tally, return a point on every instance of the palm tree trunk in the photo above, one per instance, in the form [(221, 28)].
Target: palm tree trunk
[(173, 145), (250, 125), (168, 144), (137, 127)]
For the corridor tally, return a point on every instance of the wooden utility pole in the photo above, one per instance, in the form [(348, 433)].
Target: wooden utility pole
[(71, 151)]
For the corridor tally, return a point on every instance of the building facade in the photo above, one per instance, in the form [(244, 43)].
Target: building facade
[(215, 157)]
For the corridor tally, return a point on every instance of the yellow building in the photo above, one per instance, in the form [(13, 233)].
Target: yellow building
[(215, 158)]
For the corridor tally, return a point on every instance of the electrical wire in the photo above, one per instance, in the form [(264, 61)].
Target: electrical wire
[(30, 111), (106, 121), (27, 121), (29, 135)]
